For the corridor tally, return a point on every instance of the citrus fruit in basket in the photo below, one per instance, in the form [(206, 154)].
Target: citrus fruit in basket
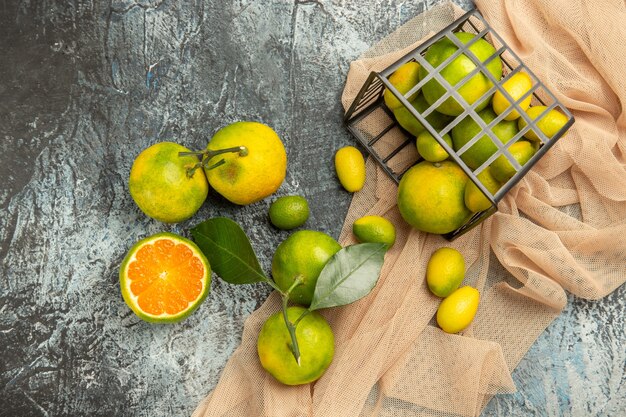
[(549, 124), (403, 79), (315, 341), (481, 150), (430, 197), (304, 253), (160, 185), (445, 271), (458, 69), (374, 229), (350, 168), (289, 212), (475, 200), (502, 169), (247, 179), (517, 85), (164, 278), (457, 310), (414, 126), (430, 149)]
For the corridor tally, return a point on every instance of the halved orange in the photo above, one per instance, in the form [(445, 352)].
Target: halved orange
[(164, 278)]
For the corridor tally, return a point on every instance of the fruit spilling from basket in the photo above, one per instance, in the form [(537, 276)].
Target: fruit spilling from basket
[(478, 122)]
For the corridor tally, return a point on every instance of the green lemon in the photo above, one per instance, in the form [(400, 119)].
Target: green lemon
[(403, 79), (445, 271), (430, 197), (410, 122), (549, 124), (502, 169), (304, 253), (374, 229), (160, 186), (481, 150), (315, 341), (457, 310), (289, 212), (456, 70), (430, 149), (475, 200)]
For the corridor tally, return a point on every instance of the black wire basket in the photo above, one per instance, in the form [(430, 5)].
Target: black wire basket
[(375, 127)]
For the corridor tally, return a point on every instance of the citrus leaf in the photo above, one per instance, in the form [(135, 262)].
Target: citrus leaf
[(349, 275), (228, 250)]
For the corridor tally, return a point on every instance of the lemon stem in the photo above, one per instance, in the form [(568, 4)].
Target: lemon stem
[(291, 327), (295, 323), (206, 155)]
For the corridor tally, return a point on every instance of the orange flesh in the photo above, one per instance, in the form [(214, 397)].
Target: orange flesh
[(165, 277)]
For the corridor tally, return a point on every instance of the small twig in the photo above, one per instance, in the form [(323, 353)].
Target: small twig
[(291, 327), (206, 155), (303, 315), (295, 349)]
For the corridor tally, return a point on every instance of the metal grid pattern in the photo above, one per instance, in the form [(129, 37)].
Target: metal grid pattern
[(369, 103)]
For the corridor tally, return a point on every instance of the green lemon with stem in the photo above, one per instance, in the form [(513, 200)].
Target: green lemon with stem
[(164, 186), (403, 79), (414, 126), (316, 343), (303, 254), (458, 69)]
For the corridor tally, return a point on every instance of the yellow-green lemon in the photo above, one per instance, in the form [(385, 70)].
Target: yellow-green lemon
[(502, 170), (247, 179), (457, 310), (481, 150), (374, 229), (549, 124), (458, 69), (445, 271), (517, 85), (315, 341), (414, 126), (350, 168), (289, 212), (160, 185), (475, 200), (303, 254), (430, 197), (430, 149), (403, 79)]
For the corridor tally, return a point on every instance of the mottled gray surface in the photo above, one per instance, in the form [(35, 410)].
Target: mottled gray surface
[(84, 87)]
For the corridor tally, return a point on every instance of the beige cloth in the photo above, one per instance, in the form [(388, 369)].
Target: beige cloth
[(390, 360)]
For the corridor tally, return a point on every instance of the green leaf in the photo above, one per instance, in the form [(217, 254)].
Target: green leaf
[(228, 250), (349, 275)]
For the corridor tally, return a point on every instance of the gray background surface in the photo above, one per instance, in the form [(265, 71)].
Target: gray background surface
[(79, 102)]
